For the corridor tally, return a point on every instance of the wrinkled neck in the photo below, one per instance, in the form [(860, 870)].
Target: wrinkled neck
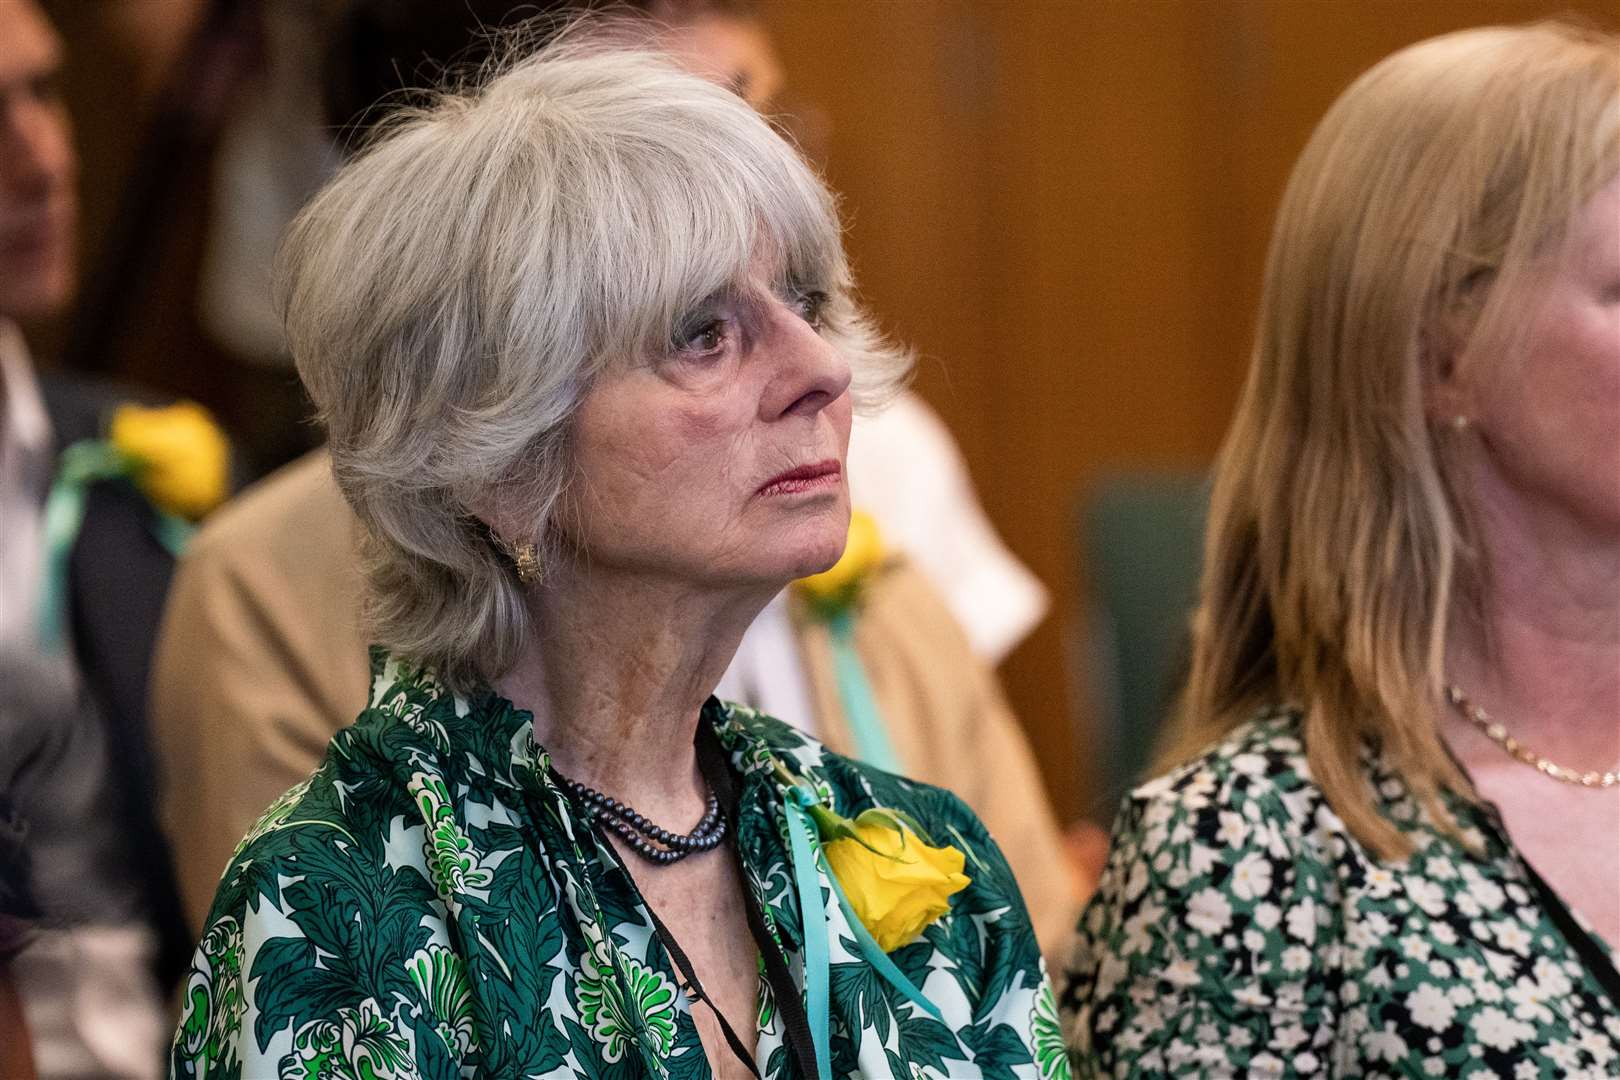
[(616, 675)]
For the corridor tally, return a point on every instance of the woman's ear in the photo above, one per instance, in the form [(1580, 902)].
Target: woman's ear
[(505, 528), (1443, 396), (1447, 396), (493, 508)]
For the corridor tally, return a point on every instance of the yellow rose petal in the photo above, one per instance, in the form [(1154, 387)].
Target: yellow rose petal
[(899, 890)]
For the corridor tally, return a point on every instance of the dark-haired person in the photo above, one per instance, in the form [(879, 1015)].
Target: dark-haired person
[(78, 614)]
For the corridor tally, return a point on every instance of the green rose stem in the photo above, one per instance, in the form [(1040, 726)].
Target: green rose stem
[(831, 825)]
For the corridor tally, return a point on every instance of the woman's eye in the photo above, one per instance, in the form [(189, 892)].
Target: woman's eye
[(701, 337), (47, 88), (810, 306)]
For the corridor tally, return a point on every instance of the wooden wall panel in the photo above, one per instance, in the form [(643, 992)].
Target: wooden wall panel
[(1065, 204), (907, 152)]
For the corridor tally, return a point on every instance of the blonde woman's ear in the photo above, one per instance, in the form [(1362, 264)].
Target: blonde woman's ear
[(1447, 403), (1446, 337), (1446, 389)]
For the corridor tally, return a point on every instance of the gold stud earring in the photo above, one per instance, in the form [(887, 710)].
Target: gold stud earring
[(528, 565), (1459, 423)]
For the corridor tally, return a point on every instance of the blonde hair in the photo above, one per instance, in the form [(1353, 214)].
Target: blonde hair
[(451, 294), (1339, 548)]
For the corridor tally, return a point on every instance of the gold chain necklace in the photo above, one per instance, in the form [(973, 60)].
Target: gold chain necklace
[(1498, 734)]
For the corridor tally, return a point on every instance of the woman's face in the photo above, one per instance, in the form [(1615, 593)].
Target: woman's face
[(719, 461), (734, 52), (1550, 420)]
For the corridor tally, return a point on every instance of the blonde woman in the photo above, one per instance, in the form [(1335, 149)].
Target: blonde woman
[(1386, 842)]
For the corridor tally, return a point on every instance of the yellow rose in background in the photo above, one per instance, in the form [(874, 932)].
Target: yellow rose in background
[(863, 552), (181, 454), (897, 884)]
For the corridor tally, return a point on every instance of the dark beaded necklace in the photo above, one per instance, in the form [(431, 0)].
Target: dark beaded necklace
[(656, 845)]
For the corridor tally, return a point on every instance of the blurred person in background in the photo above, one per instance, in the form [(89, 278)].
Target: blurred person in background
[(1387, 841), (17, 913), (262, 656), (86, 543), (586, 346)]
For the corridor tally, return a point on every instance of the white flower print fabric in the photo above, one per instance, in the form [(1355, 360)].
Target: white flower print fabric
[(1241, 930)]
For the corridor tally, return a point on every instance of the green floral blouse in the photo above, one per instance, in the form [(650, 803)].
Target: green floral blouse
[(1241, 930), (430, 903)]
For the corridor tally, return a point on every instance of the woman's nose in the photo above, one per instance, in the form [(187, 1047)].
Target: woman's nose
[(36, 148), (810, 373)]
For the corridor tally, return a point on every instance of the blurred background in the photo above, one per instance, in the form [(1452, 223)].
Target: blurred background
[(1063, 204)]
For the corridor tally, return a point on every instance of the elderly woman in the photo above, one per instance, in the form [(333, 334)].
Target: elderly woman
[(585, 345), (1388, 842)]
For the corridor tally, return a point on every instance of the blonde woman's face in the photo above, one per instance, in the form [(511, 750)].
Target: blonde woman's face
[(719, 462), (1551, 420)]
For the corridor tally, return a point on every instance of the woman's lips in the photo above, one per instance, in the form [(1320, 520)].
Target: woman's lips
[(37, 238), (823, 474)]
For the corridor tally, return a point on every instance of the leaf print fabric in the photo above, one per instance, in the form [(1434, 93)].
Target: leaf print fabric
[(1050, 1053), (431, 905), (361, 1045), (441, 978), (213, 995), (1241, 930), (456, 866)]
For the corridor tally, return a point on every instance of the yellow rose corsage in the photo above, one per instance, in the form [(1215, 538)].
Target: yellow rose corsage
[(889, 882), (898, 884), (176, 456), (833, 598), (895, 881)]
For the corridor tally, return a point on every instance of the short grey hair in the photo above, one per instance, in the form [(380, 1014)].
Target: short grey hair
[(451, 294)]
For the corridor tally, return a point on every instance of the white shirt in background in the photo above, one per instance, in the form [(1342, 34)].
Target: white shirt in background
[(906, 471)]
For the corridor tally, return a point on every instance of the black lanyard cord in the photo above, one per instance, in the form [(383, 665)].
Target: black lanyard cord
[(694, 990), (789, 998), (694, 985)]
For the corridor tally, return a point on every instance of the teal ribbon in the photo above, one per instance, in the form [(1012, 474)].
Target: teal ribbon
[(808, 860), (81, 466), (813, 915), (866, 727), (874, 954)]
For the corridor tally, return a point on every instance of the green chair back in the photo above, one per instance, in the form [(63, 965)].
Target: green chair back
[(1141, 542)]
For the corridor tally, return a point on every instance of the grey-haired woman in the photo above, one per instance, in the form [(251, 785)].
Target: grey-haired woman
[(585, 345)]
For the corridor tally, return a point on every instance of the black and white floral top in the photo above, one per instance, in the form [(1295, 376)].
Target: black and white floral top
[(1240, 929)]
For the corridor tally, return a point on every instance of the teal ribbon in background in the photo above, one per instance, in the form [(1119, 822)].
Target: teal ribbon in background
[(82, 466), (808, 862), (872, 744)]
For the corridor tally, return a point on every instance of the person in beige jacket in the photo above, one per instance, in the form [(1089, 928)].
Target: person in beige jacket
[(261, 659)]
